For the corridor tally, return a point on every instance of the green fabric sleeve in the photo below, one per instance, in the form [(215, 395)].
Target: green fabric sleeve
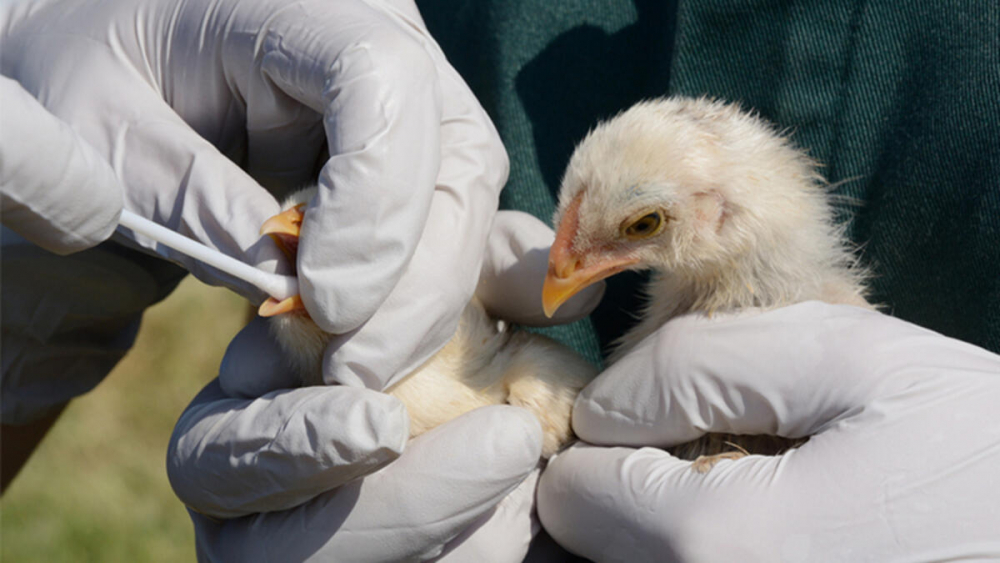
[(900, 100)]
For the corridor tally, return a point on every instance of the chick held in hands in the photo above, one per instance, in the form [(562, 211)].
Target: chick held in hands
[(723, 210), (485, 363)]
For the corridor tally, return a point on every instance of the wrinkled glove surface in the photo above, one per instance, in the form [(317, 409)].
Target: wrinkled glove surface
[(198, 105), (901, 464)]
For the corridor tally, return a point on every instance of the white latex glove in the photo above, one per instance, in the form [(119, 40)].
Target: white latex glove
[(179, 96), (463, 491), (443, 488), (55, 189), (901, 466)]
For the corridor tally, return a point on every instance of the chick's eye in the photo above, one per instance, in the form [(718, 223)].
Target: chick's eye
[(645, 226)]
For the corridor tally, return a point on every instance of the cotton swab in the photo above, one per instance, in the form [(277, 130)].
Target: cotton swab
[(278, 286)]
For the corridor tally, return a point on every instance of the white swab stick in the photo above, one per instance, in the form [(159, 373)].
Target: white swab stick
[(276, 285)]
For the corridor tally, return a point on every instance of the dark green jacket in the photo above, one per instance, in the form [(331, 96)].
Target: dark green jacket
[(900, 99)]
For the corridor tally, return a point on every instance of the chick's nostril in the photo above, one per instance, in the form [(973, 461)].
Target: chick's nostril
[(566, 268)]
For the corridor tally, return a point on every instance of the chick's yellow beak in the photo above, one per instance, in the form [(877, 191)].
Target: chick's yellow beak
[(284, 229), (570, 271), (566, 278), (557, 290)]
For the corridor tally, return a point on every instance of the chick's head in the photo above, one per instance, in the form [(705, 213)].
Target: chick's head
[(676, 184)]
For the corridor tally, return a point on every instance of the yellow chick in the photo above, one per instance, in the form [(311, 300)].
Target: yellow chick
[(726, 213)]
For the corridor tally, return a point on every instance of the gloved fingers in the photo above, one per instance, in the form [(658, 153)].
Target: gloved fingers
[(443, 483), (586, 505), (229, 457), (67, 201), (367, 71), (421, 313), (502, 534), (255, 364), (286, 139), (885, 481), (623, 504), (788, 372), (514, 268)]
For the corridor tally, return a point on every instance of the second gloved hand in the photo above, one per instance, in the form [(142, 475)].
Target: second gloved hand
[(280, 468), (901, 465)]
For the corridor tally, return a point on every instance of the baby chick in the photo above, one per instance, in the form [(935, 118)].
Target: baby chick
[(725, 212), (485, 362)]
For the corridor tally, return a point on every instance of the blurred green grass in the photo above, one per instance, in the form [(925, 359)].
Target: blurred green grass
[(96, 489)]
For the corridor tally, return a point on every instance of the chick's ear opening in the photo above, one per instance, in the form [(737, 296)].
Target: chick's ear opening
[(710, 210)]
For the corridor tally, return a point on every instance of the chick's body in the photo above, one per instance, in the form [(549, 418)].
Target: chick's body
[(485, 363), (726, 213)]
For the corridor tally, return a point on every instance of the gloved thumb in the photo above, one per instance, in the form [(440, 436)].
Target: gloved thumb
[(55, 189), (786, 372), (230, 457), (514, 267), (628, 505), (255, 364)]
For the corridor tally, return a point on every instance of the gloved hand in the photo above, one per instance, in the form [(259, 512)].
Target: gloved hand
[(281, 465), (902, 463), (55, 190), (447, 483), (179, 97)]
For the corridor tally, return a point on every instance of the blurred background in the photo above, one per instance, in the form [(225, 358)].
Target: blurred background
[(96, 489)]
